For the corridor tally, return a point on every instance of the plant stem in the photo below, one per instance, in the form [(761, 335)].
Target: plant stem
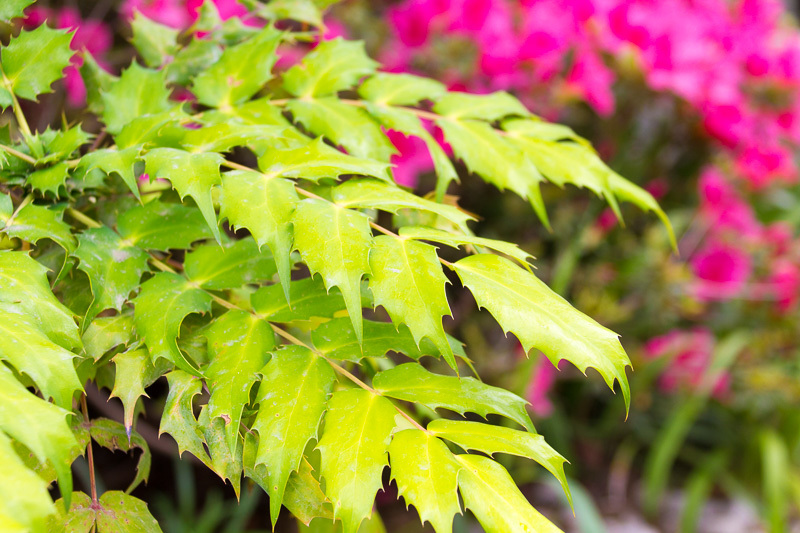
[(18, 154), (28, 199), (83, 219), (23, 123), (90, 454)]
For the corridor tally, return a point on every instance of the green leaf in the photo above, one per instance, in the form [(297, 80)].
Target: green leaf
[(79, 519), (408, 282), (192, 59), (105, 333), (240, 72), (336, 243), (318, 160), (496, 159), (23, 495), (178, 419), (11, 9), (238, 347), (490, 107), (132, 370), (493, 497), (443, 237), (113, 265), (155, 42), (33, 60), (114, 436), (386, 88), (491, 439), (29, 351), (358, 426), (112, 161), (162, 304), (343, 125), (157, 129), (535, 128), (223, 137), (331, 67), (138, 92), (409, 124), (159, 226), (60, 144), (23, 282), (413, 383), (39, 425), (299, 10), (97, 80), (191, 175), (49, 179), (427, 477), (522, 304), (304, 497), (225, 461), (375, 194), (35, 222), (120, 513), (292, 398), (336, 339), (309, 299), (229, 266), (264, 206)]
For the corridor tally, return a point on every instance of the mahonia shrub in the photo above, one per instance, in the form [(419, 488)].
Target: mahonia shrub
[(236, 229)]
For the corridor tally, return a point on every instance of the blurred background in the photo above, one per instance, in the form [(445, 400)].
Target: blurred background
[(696, 100)]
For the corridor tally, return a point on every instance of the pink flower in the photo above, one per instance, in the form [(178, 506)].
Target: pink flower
[(592, 80), (541, 383), (785, 278), (412, 160), (690, 354), (721, 271)]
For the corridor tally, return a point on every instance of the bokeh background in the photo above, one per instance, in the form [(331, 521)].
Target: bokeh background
[(696, 100)]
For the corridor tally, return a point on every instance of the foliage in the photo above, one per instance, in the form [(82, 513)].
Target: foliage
[(228, 243)]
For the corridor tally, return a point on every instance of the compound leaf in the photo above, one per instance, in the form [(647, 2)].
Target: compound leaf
[(229, 266), (490, 107), (133, 369), (309, 299), (335, 242), (292, 397), (121, 513), (358, 426), (413, 383), (120, 162), (385, 88), (160, 226), (49, 179), (443, 237), (408, 282), (163, 303), (155, 42), (178, 419), (427, 477), (35, 222), (331, 67), (34, 59), (138, 92), (540, 318)]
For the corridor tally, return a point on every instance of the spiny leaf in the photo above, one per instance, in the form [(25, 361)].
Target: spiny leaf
[(178, 419), (336, 339), (292, 398), (226, 461), (229, 266), (132, 370), (120, 513), (155, 42), (120, 162), (304, 497), (49, 179), (317, 160), (335, 242), (299, 10), (238, 347), (112, 435), (491, 439), (493, 497), (375, 194), (113, 265), (23, 282), (343, 125), (192, 59), (138, 92), (427, 477), (386, 88), (309, 299), (107, 332), (39, 425), (27, 349), (241, 71), (33, 60), (191, 174), (23, 495), (11, 9), (408, 282), (533, 127), (413, 383), (159, 226), (97, 80), (35, 222), (223, 137), (353, 447), (264, 206), (443, 237), (60, 144), (495, 159), (331, 67), (540, 318), (490, 107), (157, 129), (162, 304)]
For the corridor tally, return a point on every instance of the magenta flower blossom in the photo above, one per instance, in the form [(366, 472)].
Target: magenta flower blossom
[(721, 271), (541, 383)]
